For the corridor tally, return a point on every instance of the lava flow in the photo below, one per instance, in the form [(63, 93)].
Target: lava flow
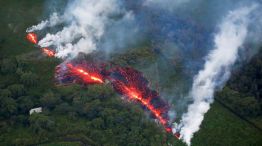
[(131, 83), (88, 73), (48, 52), (126, 81), (32, 37), (133, 94)]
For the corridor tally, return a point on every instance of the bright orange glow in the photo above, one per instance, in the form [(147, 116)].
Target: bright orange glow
[(48, 52), (32, 37), (86, 76), (126, 81), (133, 94), (96, 79)]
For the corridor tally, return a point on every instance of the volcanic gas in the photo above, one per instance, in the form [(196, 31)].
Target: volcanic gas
[(126, 81), (131, 83)]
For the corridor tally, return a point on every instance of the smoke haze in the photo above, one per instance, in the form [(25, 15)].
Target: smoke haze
[(204, 36), (216, 71), (85, 23)]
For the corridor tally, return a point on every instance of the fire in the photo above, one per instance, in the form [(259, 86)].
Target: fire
[(48, 52), (146, 102), (88, 76), (126, 81), (32, 37), (133, 85)]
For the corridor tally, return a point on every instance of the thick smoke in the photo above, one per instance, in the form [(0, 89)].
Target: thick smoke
[(88, 25), (53, 21), (183, 28), (170, 4), (216, 71), (85, 23)]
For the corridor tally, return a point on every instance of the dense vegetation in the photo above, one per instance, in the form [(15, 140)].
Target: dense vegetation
[(244, 89), (94, 115)]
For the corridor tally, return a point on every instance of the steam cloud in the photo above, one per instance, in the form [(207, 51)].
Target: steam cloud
[(89, 25), (85, 23), (53, 21), (216, 71), (170, 4)]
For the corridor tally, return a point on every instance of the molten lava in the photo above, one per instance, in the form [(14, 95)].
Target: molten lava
[(126, 81), (48, 52), (32, 37), (133, 94), (88, 74), (133, 85)]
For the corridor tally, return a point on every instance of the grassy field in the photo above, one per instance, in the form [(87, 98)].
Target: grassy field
[(220, 127)]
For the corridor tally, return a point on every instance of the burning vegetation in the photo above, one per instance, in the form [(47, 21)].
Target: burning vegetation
[(126, 81)]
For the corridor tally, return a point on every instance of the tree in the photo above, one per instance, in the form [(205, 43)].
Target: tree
[(248, 78), (39, 123), (244, 105), (248, 106), (8, 66), (28, 79), (8, 106), (25, 103), (63, 108), (17, 90), (49, 99), (5, 93)]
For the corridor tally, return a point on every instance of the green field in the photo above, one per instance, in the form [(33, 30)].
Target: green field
[(92, 115)]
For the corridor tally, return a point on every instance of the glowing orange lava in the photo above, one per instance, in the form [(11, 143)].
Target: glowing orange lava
[(126, 81), (133, 94), (32, 37), (86, 76), (131, 83), (48, 52)]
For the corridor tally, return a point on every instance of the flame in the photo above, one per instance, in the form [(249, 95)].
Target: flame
[(85, 75), (135, 87), (48, 52), (131, 93), (132, 84), (32, 37)]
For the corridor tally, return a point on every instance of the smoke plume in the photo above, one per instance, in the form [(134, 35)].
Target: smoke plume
[(85, 22), (170, 4), (180, 33), (53, 20), (216, 71)]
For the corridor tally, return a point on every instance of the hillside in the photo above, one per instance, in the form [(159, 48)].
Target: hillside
[(95, 115)]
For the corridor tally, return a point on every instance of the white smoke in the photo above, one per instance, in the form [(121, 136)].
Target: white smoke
[(170, 4), (85, 22), (53, 20), (216, 71)]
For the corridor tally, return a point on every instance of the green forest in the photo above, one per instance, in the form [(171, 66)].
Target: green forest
[(95, 115)]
